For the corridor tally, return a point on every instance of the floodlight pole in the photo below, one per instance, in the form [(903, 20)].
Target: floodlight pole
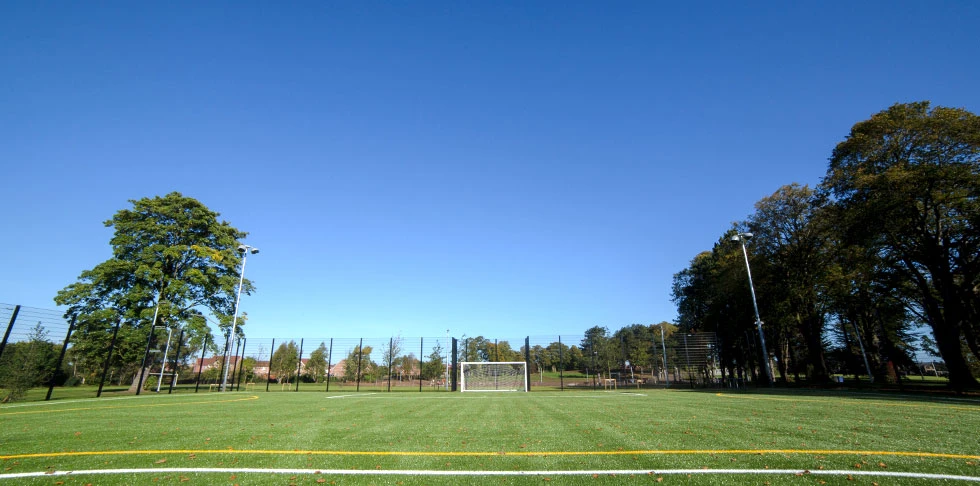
[(741, 237), (244, 250), (163, 366)]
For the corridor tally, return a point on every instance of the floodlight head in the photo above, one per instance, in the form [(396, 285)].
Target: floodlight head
[(254, 250), (242, 248)]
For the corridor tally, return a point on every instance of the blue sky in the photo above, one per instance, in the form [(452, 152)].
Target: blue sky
[(492, 168)]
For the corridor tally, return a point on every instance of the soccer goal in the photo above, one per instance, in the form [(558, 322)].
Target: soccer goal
[(499, 376)]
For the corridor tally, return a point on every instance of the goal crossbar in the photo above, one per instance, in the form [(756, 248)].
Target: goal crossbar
[(493, 376)]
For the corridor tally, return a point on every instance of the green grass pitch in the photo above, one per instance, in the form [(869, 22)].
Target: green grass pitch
[(571, 437)]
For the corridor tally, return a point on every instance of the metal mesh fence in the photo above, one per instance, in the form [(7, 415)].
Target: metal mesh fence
[(171, 364)]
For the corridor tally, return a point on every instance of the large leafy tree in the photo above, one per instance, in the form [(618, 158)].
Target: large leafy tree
[(713, 295), (316, 366), (790, 236), (636, 341), (358, 360), (907, 182), (172, 251), (284, 362)]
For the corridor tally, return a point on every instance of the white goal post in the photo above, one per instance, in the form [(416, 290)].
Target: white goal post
[(490, 377)]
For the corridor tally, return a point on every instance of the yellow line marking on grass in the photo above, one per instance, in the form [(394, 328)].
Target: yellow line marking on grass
[(170, 404), (907, 405), (490, 453)]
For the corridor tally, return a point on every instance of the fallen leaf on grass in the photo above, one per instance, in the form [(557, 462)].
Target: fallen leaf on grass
[(161, 461)]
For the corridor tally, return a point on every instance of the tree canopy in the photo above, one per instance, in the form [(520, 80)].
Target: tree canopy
[(888, 241), (171, 256)]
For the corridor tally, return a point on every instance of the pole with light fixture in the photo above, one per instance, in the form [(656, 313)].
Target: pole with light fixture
[(244, 250), (741, 237)]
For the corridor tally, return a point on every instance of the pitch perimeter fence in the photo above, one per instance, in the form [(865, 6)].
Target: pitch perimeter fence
[(420, 364)]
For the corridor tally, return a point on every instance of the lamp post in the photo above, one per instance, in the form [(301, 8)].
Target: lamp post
[(166, 351), (244, 250), (741, 237)]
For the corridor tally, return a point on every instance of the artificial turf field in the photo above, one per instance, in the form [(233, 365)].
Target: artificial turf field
[(571, 437)]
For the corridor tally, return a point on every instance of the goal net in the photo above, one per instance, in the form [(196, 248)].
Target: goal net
[(499, 376)]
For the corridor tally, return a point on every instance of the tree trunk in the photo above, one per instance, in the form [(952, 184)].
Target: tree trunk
[(136, 379)]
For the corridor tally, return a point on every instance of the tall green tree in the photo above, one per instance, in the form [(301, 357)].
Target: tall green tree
[(362, 356), (316, 365), (907, 182), (713, 295), (789, 235), (600, 352), (636, 342), (872, 307), (27, 364), (284, 362), (434, 368), (172, 251)]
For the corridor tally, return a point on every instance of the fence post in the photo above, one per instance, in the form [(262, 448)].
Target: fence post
[(173, 369), (200, 368), (421, 357), (61, 359), (455, 365), (561, 367), (391, 341), (329, 362), (6, 335), (663, 343), (108, 359), (229, 367), (299, 365), (241, 366), (527, 362), (268, 376), (360, 352)]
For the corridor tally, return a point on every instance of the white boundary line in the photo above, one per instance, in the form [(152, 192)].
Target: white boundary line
[(403, 472), (353, 395)]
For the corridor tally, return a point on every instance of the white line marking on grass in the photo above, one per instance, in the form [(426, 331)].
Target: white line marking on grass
[(354, 395), (402, 472)]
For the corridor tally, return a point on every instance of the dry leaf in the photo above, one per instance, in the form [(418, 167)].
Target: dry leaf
[(161, 461)]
